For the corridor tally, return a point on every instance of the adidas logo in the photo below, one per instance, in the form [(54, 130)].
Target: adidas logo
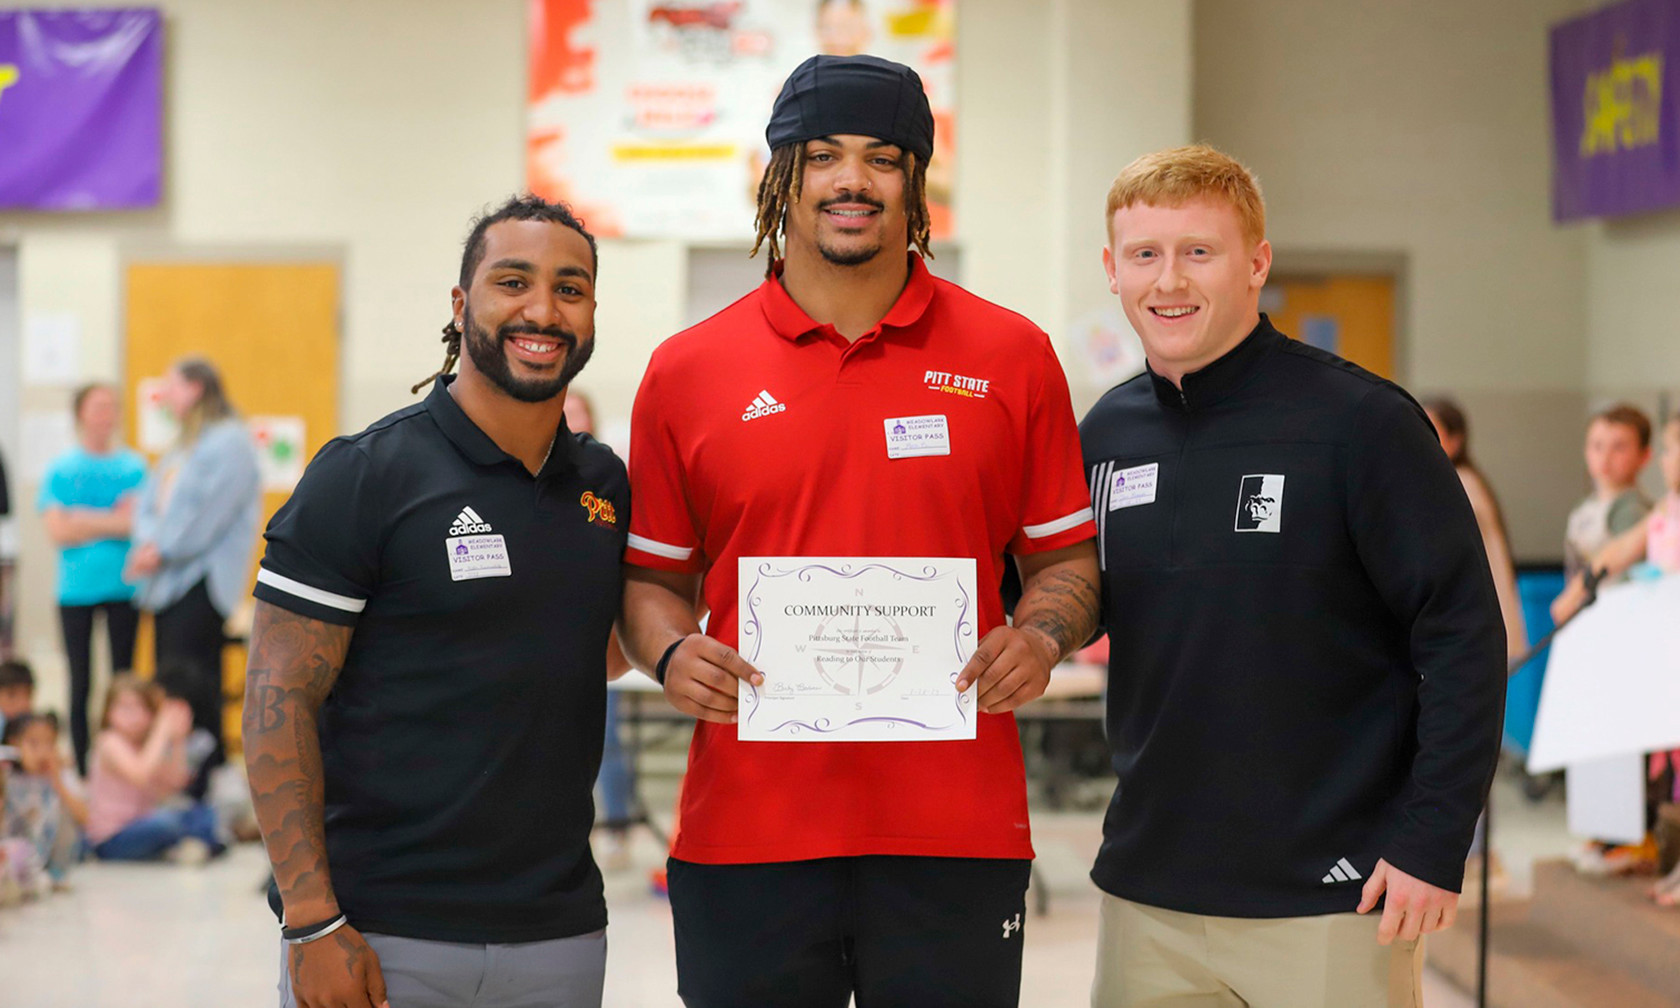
[(1341, 871), (763, 405), (468, 522)]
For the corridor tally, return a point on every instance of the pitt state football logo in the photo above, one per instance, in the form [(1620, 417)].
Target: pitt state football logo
[(601, 510)]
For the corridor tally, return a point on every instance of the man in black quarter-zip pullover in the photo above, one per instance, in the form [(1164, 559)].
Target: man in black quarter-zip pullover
[(1307, 671)]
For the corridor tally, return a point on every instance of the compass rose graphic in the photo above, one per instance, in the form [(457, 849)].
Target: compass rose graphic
[(866, 658)]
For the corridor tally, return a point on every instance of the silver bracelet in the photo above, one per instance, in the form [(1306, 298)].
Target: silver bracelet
[(332, 926)]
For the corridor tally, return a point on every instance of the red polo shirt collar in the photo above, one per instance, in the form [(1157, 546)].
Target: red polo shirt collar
[(790, 321)]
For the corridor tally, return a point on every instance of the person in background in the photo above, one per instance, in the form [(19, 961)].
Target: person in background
[(1606, 533), (194, 535), (1654, 538), (44, 800), (1650, 548), (139, 759), (87, 504), (17, 690), (1618, 446), (1454, 432), (617, 777)]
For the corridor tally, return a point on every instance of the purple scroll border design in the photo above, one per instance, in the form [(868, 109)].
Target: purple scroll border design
[(753, 628)]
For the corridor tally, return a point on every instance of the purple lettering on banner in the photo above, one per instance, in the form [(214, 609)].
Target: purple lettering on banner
[(81, 108)]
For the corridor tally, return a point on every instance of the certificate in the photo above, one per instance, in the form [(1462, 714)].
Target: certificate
[(857, 649)]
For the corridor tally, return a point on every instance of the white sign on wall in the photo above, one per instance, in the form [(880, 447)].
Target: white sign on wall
[(280, 450), (52, 349), (158, 427)]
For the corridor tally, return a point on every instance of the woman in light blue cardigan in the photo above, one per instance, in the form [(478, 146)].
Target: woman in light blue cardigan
[(195, 532)]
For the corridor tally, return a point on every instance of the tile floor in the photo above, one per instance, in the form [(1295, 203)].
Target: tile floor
[(159, 936)]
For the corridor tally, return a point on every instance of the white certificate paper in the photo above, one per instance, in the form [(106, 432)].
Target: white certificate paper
[(857, 649)]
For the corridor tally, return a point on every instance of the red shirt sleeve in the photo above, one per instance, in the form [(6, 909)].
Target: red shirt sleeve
[(662, 534), (1055, 502)]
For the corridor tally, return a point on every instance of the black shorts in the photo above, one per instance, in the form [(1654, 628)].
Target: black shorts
[(917, 932)]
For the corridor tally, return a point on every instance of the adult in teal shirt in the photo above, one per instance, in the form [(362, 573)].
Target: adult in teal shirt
[(87, 501)]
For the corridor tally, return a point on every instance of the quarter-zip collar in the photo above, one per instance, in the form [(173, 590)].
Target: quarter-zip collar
[(1201, 388)]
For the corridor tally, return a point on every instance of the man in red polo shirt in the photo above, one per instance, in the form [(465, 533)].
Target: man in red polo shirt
[(852, 415)]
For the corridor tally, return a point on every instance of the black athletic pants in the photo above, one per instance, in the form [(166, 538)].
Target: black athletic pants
[(189, 666), (121, 620), (896, 932)]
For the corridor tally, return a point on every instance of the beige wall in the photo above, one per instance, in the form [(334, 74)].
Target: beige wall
[(1418, 133), (1633, 316), (373, 130)]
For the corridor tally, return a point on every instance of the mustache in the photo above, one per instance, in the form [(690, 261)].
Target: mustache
[(558, 333), (857, 198)]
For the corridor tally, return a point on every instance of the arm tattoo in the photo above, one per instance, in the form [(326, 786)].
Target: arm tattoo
[(293, 665), (1062, 605)]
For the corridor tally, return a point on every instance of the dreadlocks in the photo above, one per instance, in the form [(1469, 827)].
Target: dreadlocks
[(452, 353), (780, 187), (524, 207)]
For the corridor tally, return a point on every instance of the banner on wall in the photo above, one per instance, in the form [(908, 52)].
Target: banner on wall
[(648, 116), (81, 108), (1615, 135)]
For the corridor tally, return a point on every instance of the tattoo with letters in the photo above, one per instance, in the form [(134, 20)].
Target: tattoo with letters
[(1062, 606), (294, 663)]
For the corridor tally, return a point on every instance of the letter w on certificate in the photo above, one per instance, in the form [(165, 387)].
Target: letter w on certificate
[(857, 649)]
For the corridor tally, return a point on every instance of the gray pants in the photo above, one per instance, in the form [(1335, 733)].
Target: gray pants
[(563, 973)]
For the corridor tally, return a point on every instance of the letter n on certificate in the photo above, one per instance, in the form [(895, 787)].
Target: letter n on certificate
[(857, 649)]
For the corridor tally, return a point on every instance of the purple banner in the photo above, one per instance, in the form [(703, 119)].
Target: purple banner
[(81, 108), (1615, 138)]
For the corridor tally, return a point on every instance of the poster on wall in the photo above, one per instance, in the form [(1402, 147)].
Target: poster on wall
[(648, 116), (81, 108), (158, 428), (1615, 134), (280, 451)]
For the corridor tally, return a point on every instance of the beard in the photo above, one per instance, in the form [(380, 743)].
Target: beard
[(853, 255), (490, 358)]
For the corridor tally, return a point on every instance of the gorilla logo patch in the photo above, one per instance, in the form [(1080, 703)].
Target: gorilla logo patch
[(1260, 504)]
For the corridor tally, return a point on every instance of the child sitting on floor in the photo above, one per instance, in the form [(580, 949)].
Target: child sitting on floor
[(140, 759), (44, 802), (17, 690)]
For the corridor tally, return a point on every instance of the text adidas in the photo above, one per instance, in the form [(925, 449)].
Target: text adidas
[(764, 404)]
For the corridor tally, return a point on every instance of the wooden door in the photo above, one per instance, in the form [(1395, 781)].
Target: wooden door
[(271, 329), (1349, 315)]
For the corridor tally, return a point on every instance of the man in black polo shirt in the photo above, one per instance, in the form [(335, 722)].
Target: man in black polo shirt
[(1308, 661), (427, 680)]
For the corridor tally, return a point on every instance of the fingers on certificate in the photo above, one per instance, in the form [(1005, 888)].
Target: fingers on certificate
[(1009, 668), (703, 678)]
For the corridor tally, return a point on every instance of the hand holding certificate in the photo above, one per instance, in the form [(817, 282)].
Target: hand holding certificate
[(857, 649)]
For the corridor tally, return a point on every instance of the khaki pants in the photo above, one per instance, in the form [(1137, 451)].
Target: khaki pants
[(1153, 958)]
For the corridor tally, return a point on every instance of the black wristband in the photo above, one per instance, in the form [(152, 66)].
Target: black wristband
[(665, 659), (298, 934)]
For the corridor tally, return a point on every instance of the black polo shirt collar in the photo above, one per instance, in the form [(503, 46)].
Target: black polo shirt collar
[(1208, 385), (477, 446)]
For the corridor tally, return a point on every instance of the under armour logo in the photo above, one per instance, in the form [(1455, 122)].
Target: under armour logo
[(1011, 925)]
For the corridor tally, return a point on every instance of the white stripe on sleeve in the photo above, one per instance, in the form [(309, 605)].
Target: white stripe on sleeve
[(1050, 528), (280, 582), (660, 549)]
